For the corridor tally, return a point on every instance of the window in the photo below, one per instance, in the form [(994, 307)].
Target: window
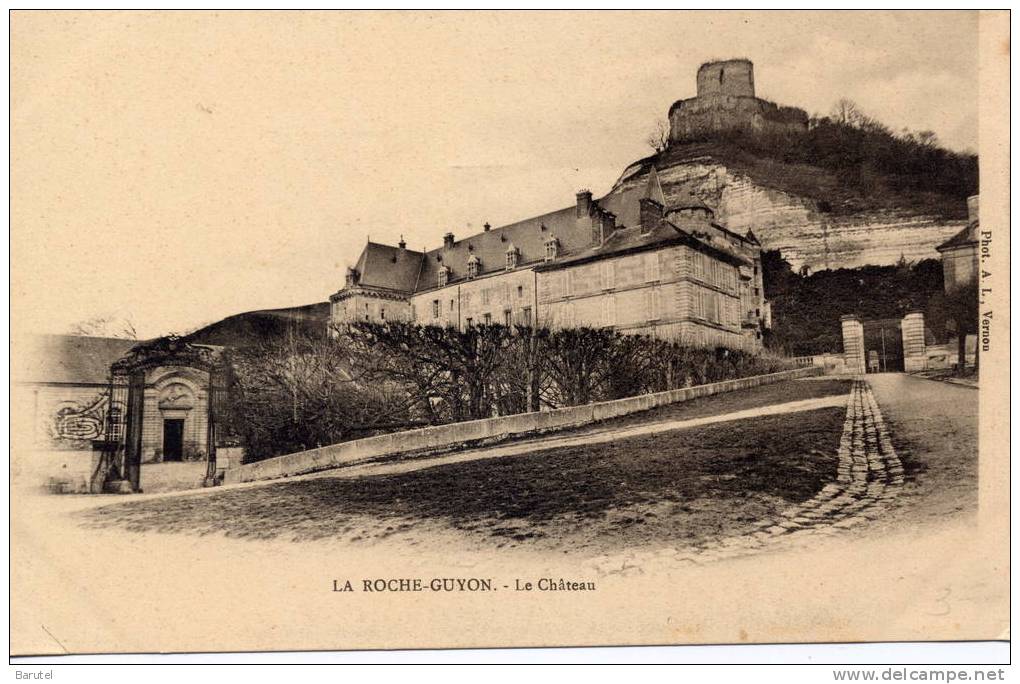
[(487, 318), (382, 313), (712, 306), (609, 311), (472, 266), (651, 266), (437, 308), (652, 304), (520, 292), (470, 321), (508, 318), (486, 296), (608, 275), (552, 248), (526, 316), (443, 276), (698, 264), (511, 257)]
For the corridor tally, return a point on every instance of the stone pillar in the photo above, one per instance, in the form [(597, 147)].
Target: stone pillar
[(914, 354), (853, 344)]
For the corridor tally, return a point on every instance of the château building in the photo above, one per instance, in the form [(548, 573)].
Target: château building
[(629, 261)]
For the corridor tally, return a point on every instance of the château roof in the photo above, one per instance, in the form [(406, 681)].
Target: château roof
[(389, 268), (528, 236), (635, 239)]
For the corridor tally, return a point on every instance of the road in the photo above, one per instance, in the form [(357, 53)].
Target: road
[(934, 427)]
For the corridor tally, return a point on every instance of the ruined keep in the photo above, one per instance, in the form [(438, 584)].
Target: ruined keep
[(726, 101)]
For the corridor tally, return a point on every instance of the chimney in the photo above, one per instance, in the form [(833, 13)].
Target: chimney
[(583, 203), (448, 241), (352, 277), (486, 227), (402, 244), (651, 214)]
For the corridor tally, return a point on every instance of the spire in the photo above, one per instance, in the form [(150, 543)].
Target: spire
[(653, 189)]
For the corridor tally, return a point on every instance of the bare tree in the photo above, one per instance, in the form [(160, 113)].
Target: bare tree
[(846, 111), (105, 325), (658, 139)]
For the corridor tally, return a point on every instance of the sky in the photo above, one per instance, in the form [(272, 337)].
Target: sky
[(177, 168)]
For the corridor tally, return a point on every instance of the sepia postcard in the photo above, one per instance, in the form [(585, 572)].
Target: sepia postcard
[(399, 330)]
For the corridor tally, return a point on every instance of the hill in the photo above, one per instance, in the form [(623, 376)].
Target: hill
[(256, 327)]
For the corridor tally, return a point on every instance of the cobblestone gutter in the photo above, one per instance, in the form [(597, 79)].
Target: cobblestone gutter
[(869, 474)]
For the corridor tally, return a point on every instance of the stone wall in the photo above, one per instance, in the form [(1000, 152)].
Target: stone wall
[(697, 116), (446, 437)]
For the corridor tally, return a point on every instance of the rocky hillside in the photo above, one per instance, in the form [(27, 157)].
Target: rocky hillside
[(833, 213)]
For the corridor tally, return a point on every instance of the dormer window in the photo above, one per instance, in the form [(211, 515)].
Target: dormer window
[(512, 255), (443, 276), (472, 266), (552, 248)]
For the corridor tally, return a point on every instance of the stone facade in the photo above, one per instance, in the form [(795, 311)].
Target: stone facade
[(175, 393), (672, 272)]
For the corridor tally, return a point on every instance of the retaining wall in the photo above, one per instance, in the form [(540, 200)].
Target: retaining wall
[(444, 437)]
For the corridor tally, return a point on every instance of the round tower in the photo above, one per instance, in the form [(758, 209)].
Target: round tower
[(734, 77)]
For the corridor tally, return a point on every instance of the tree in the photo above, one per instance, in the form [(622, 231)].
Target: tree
[(962, 308), (298, 393), (105, 325), (451, 374), (846, 112), (658, 139)]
